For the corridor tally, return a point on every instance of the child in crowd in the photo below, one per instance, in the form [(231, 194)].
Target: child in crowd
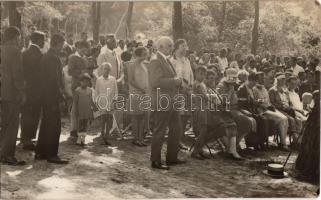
[(105, 93), (84, 105)]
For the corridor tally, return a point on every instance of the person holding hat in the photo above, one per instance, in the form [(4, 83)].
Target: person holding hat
[(30, 114), (245, 122), (84, 106)]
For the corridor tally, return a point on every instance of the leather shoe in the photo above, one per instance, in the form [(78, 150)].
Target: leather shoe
[(73, 133), (284, 148), (197, 156), (183, 147), (57, 160), (12, 161), (159, 165), (40, 157), (231, 156), (176, 162), (205, 155), (29, 147)]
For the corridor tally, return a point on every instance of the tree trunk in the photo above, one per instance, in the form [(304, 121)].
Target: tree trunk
[(96, 7), (1, 8), (255, 32), (177, 21), (14, 15), (129, 19), (222, 22)]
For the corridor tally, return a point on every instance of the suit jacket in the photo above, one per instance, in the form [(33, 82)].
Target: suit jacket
[(245, 100), (12, 79), (51, 78), (31, 66), (162, 79), (276, 101)]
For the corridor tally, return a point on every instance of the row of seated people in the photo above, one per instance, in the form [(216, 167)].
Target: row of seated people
[(249, 110)]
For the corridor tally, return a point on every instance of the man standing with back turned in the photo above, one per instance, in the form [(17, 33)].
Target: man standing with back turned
[(52, 98), (30, 115), (12, 94)]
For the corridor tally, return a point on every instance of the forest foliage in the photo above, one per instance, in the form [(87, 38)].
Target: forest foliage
[(284, 27)]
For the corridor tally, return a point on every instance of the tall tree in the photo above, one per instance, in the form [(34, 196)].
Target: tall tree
[(96, 7), (177, 21), (129, 19), (255, 31), (222, 22), (14, 15)]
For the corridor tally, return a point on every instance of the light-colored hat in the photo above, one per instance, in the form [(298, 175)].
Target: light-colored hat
[(280, 76), (231, 75)]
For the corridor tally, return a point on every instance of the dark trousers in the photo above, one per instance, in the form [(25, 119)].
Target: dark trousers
[(164, 119), (30, 117), (106, 124), (9, 128), (49, 134)]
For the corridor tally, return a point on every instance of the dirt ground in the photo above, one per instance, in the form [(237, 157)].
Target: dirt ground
[(123, 172)]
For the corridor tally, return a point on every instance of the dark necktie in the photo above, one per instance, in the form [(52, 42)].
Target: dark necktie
[(169, 62)]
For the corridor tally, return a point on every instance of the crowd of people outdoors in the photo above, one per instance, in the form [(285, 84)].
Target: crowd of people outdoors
[(165, 89)]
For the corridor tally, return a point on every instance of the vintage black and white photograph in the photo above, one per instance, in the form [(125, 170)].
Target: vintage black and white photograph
[(104, 100)]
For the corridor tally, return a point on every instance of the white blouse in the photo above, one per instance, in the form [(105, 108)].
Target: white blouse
[(183, 69)]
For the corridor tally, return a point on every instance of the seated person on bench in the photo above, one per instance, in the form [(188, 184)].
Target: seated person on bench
[(210, 124), (245, 122), (246, 103)]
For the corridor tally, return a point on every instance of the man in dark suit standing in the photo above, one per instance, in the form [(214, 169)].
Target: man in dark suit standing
[(31, 111), (52, 98), (164, 86), (12, 94)]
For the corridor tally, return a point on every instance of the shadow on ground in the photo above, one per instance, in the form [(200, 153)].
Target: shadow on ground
[(123, 172)]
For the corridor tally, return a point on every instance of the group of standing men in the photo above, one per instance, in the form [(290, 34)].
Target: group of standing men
[(31, 84)]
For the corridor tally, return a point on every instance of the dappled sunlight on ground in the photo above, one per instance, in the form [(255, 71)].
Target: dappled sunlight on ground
[(123, 172)]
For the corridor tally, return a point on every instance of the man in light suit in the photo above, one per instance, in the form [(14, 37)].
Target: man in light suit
[(164, 82), (108, 54)]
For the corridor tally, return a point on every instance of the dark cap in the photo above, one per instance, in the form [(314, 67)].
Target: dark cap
[(37, 35), (253, 77)]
